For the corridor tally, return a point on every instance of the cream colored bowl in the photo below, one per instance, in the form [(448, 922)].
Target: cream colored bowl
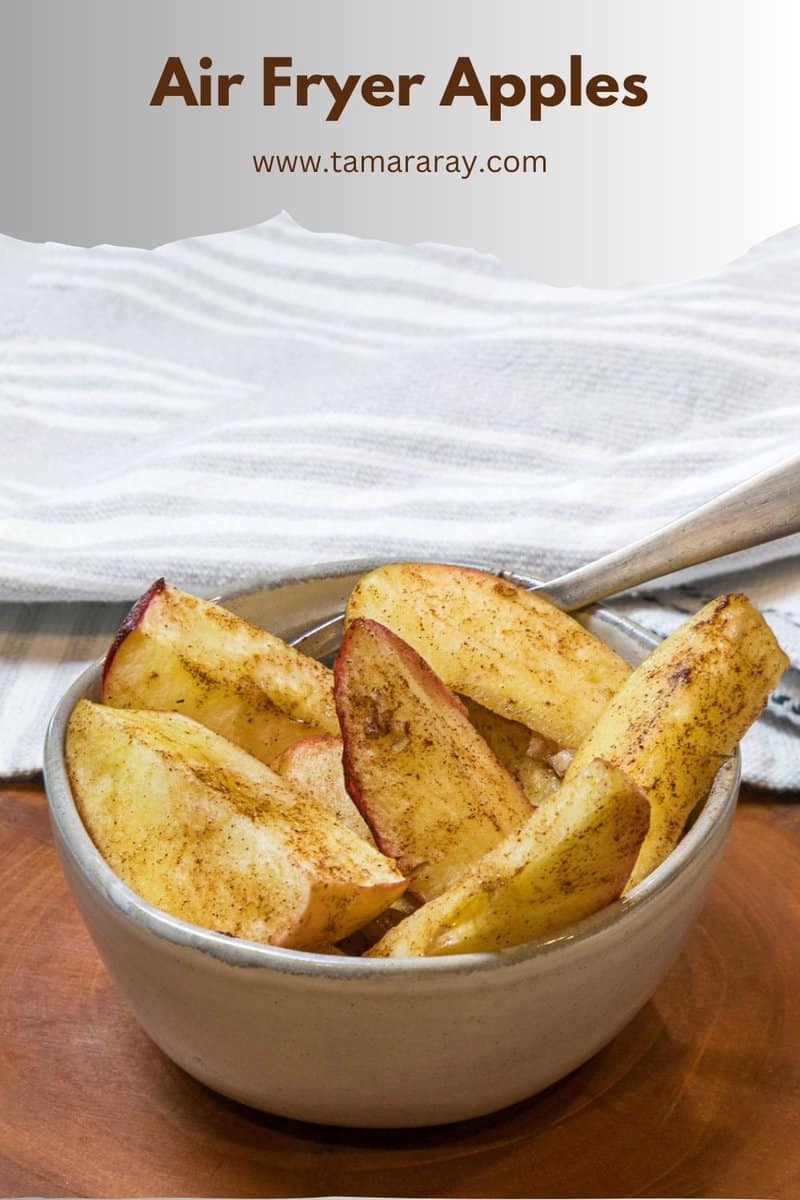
[(382, 1042)]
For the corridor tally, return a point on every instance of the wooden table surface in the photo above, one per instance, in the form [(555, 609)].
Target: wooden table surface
[(699, 1096)]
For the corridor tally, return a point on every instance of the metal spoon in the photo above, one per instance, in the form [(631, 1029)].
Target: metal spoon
[(762, 509)]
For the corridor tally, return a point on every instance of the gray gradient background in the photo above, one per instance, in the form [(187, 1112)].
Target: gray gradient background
[(666, 191)]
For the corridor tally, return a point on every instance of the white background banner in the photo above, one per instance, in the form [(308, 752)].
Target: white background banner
[(605, 192)]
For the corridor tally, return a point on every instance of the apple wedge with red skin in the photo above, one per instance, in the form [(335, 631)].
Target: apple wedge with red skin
[(425, 781), (509, 649), (177, 653), (569, 860), (313, 767), (204, 831)]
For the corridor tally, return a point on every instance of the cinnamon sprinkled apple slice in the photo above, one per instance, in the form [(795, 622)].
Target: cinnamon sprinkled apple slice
[(509, 649), (566, 862), (314, 767), (424, 779), (175, 652), (206, 832)]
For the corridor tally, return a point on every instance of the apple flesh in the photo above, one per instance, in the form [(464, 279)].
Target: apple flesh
[(313, 767), (538, 780), (206, 832), (508, 649), (425, 781), (177, 653), (569, 860), (682, 713), (507, 740)]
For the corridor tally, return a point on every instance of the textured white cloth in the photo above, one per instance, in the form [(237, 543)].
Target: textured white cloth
[(228, 405)]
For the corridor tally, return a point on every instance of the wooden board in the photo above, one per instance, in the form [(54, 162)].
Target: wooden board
[(700, 1096)]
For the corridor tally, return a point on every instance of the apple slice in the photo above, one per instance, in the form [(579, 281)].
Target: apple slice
[(568, 861), (432, 792), (682, 711), (538, 780), (201, 829), (523, 754), (314, 768), (507, 648), (507, 740), (177, 653), (366, 937)]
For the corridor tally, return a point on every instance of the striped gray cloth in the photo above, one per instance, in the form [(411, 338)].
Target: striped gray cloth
[(249, 401)]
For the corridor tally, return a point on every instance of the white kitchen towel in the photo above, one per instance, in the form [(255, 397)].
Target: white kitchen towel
[(273, 397)]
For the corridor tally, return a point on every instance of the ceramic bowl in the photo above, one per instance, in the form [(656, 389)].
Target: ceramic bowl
[(382, 1042)]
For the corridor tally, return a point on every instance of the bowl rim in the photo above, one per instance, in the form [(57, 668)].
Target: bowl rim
[(239, 952)]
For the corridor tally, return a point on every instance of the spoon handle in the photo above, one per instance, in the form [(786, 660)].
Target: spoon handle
[(763, 508)]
